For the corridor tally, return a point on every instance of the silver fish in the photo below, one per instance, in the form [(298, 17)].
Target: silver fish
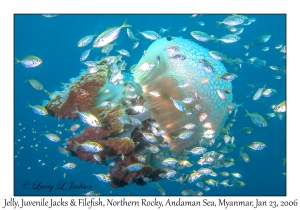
[(179, 105), (109, 35), (152, 35), (85, 40)]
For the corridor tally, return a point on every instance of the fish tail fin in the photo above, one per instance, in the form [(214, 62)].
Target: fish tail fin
[(76, 145), (264, 86), (218, 23), (218, 77), (242, 104), (76, 111), (26, 80), (248, 114), (17, 60), (138, 32), (215, 39), (217, 183), (123, 168), (125, 24), (28, 105), (247, 47)]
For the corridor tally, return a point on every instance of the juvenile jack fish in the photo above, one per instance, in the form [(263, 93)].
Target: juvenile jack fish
[(69, 166), (185, 134), (258, 93), (133, 167), (103, 177), (152, 35), (84, 55), (280, 107), (85, 40), (109, 35), (230, 38), (258, 41), (149, 137), (207, 65), (179, 105), (257, 119), (88, 118), (202, 36), (89, 146), (52, 137), (147, 66), (38, 109), (29, 61), (233, 20), (257, 145), (35, 84), (131, 35)]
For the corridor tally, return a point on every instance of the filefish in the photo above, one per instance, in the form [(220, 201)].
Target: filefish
[(35, 84), (89, 146), (109, 35), (152, 35), (258, 93), (258, 41), (257, 119), (29, 61), (85, 40)]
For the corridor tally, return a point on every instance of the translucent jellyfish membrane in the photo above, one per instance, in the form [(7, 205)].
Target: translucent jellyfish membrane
[(165, 78)]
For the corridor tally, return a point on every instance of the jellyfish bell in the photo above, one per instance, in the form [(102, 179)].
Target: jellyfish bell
[(171, 73)]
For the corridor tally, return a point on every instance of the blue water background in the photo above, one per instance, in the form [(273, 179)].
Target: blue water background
[(55, 41)]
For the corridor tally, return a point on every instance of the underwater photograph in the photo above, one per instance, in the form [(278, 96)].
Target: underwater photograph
[(149, 105)]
